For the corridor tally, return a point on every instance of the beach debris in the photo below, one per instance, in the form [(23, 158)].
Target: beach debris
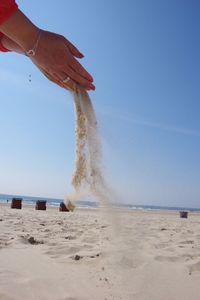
[(33, 241), (60, 223), (70, 237), (77, 257), (96, 255), (104, 226)]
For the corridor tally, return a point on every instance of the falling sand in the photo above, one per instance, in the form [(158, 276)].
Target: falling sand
[(87, 179)]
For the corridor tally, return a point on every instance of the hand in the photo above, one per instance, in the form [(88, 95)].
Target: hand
[(13, 46), (52, 79), (55, 56)]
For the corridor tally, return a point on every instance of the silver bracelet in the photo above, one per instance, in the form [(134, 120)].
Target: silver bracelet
[(32, 52)]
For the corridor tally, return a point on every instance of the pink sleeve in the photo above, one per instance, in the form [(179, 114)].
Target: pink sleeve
[(7, 8)]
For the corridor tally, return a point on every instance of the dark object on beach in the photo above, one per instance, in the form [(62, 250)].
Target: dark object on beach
[(33, 241), (63, 207), (77, 257), (183, 214), (16, 203), (40, 205), (163, 229)]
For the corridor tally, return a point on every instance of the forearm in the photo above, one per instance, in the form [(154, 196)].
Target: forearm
[(10, 45), (20, 30)]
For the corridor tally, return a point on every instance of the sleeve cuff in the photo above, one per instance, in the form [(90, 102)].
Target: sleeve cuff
[(2, 48)]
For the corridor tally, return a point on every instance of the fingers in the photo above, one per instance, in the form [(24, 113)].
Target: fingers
[(70, 84), (74, 51), (78, 68), (78, 79), (59, 78)]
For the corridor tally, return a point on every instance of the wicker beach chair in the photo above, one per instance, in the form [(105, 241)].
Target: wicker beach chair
[(16, 203), (183, 214), (63, 207), (40, 205)]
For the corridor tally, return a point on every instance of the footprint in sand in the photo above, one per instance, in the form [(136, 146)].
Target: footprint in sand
[(4, 297), (90, 240), (189, 242), (162, 245), (59, 251), (181, 258), (70, 298), (5, 241), (194, 268), (70, 237), (30, 240), (168, 258)]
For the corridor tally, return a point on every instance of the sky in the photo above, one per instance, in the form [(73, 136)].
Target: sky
[(144, 57)]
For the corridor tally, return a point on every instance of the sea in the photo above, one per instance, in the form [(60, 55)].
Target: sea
[(4, 198)]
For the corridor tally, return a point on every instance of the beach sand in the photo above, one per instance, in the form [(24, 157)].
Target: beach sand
[(82, 256)]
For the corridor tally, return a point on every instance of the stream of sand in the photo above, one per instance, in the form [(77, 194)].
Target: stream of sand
[(87, 179)]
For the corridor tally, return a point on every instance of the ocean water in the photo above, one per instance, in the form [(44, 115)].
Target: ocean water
[(49, 201), (91, 204)]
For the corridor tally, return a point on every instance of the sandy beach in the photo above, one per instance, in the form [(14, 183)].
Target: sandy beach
[(90, 254)]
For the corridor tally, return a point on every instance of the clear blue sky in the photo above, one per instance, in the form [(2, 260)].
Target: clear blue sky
[(144, 56)]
